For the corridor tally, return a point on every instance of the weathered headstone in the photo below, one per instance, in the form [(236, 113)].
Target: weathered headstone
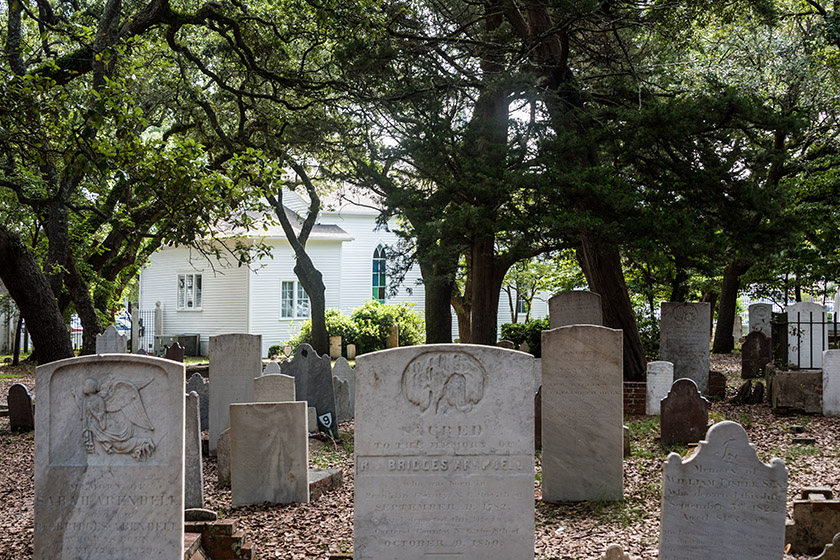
[(274, 387), (234, 362), (507, 344), (312, 420), (444, 454), (109, 459), (272, 368), (175, 352), (684, 341), (684, 415), (737, 328), (807, 334), (276, 434), (660, 377), (313, 384), (831, 383), (198, 384), (342, 369), (760, 318), (111, 342), (223, 460), (393, 338), (578, 307), (335, 347), (723, 503), (341, 387), (582, 414), (21, 413), (525, 347), (756, 353), (816, 520), (193, 473), (351, 351)]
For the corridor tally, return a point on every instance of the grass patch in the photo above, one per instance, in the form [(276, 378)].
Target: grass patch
[(11, 375)]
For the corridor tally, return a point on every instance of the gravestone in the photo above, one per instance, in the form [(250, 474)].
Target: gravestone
[(831, 383), (760, 318), (684, 341), (507, 344), (272, 368), (21, 413), (175, 352), (312, 420), (393, 338), (756, 353), (344, 370), (111, 342), (525, 347), (276, 434), (223, 460), (684, 416), (351, 351), (578, 307), (199, 385), (660, 377), (341, 387), (313, 384), (737, 328), (193, 473), (807, 335), (444, 454), (142, 352), (274, 387), (335, 347), (109, 459), (582, 414), (723, 503), (234, 362)]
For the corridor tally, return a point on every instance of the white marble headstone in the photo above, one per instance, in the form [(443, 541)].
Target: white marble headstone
[(444, 453), (723, 503), (109, 459), (193, 472), (760, 318), (660, 376), (807, 335), (831, 384), (684, 341), (234, 362), (579, 307), (111, 342), (274, 387)]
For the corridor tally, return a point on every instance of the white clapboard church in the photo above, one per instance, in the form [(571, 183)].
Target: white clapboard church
[(199, 294)]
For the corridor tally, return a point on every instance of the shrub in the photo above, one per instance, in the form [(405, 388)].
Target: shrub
[(529, 331), (649, 332), (337, 325)]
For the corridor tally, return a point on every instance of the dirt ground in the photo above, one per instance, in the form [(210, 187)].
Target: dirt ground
[(563, 531)]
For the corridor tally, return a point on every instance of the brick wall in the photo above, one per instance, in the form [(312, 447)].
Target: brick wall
[(634, 397)]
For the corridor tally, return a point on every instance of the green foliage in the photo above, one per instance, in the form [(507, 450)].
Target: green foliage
[(649, 332), (529, 331)]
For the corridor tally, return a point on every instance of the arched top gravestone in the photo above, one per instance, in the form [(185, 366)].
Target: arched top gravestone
[(579, 307), (314, 384), (684, 414)]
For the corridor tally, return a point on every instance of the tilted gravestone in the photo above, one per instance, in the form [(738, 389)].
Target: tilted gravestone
[(111, 342), (234, 362), (175, 352), (193, 472), (578, 307), (313, 384), (760, 318), (684, 415), (444, 453), (344, 370), (21, 413), (582, 414), (684, 341), (660, 377), (807, 334), (109, 459), (831, 383), (275, 433), (200, 386), (756, 353), (723, 503)]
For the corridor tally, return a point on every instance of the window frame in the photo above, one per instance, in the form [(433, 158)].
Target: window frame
[(186, 294), (297, 307), (379, 275)]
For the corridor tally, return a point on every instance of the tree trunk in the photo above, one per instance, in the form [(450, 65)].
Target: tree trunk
[(33, 295), (438, 315), (724, 340), (463, 310), (487, 277), (18, 332), (602, 267), (313, 283), (83, 303), (679, 288)]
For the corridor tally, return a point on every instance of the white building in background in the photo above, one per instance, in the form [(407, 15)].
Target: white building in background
[(202, 295)]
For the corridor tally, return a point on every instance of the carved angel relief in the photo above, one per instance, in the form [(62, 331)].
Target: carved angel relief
[(112, 411), (444, 382)]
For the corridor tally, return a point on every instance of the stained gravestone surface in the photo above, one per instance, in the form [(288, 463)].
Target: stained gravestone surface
[(684, 341), (351, 351), (723, 503), (276, 434), (198, 384), (274, 387), (344, 370), (341, 388), (660, 377), (193, 473), (335, 347), (684, 417), (234, 362), (223, 460), (111, 342), (831, 384), (807, 335), (21, 413), (175, 352), (313, 384), (582, 414), (756, 353), (506, 344), (760, 318), (575, 308), (109, 459), (444, 454)]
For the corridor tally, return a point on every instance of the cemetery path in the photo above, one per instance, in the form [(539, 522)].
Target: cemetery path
[(563, 531)]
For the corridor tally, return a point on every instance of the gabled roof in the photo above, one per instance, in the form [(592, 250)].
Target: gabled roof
[(268, 226)]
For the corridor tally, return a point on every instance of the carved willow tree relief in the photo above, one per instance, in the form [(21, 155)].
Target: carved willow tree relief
[(444, 382), (112, 414)]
